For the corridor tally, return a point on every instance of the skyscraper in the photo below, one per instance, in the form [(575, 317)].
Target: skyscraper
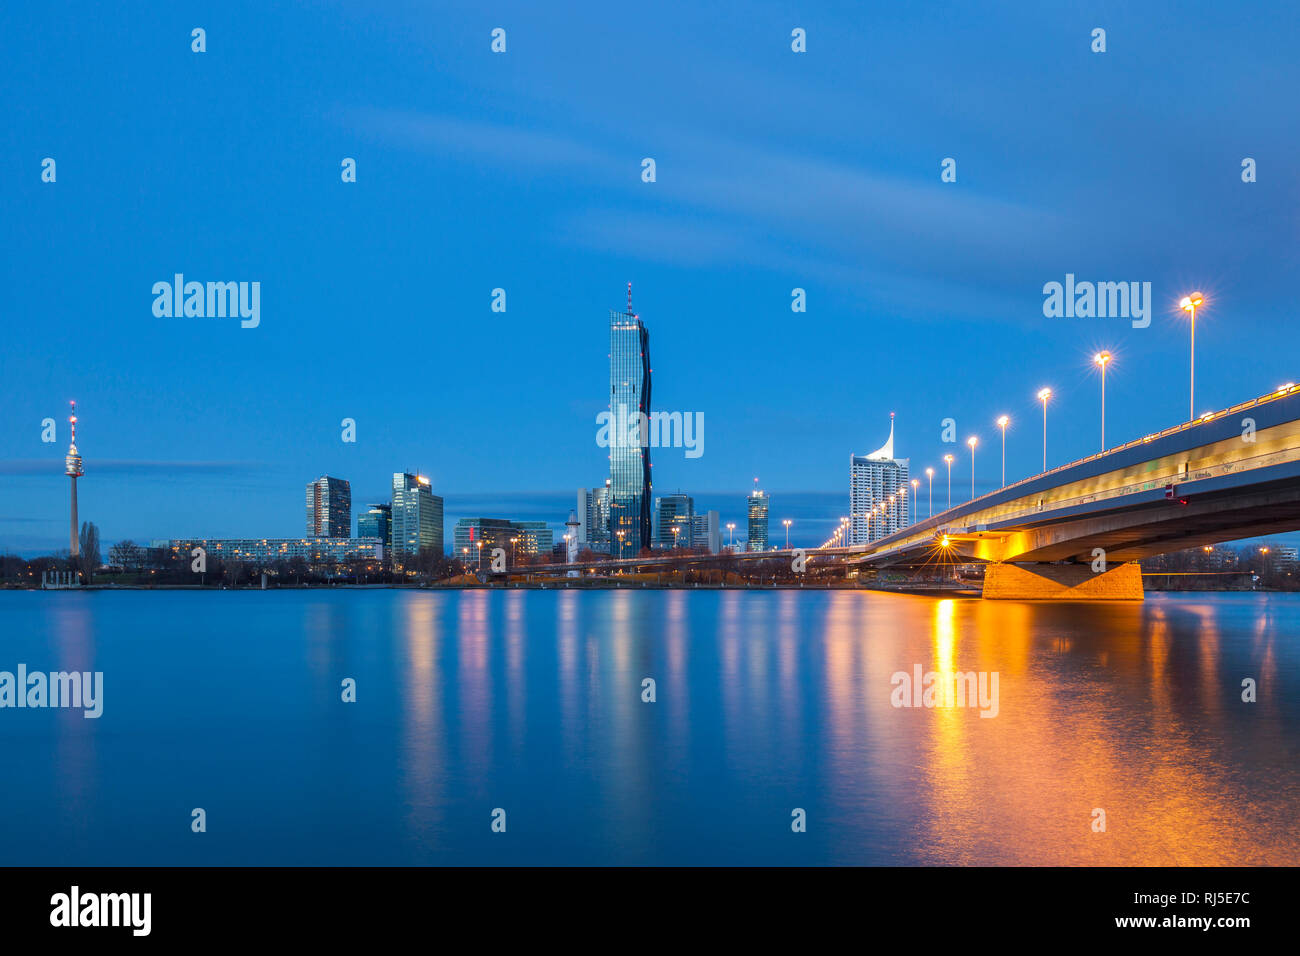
[(757, 509), (593, 518), (706, 531), (876, 508), (329, 508), (673, 511), (629, 452), (376, 523), (73, 469), (417, 517)]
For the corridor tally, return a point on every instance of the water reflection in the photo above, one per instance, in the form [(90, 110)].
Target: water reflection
[(765, 701)]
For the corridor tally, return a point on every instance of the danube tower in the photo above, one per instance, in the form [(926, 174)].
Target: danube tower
[(73, 468)]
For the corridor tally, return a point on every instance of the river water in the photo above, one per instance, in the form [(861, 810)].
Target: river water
[(771, 708)]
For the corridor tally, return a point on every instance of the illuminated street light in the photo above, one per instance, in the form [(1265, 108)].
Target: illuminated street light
[(915, 485), (947, 460), (1190, 303), (1003, 422), (731, 539), (929, 474), (1101, 360), (786, 522), (1043, 395), (972, 441)]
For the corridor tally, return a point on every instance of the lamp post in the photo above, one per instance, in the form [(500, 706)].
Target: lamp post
[(786, 522), (929, 474), (1003, 422), (1102, 359), (915, 485), (947, 460), (731, 538), (1043, 395), (1190, 303), (972, 441)]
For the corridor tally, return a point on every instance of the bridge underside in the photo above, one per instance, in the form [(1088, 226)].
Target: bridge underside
[(1146, 529)]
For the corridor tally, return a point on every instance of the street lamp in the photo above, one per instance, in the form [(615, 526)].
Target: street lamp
[(915, 485), (1003, 422), (972, 441), (786, 522), (1190, 303), (731, 540), (929, 474), (1043, 395), (1102, 359), (947, 460)]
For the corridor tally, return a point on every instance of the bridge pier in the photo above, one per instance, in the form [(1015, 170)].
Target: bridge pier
[(1062, 582)]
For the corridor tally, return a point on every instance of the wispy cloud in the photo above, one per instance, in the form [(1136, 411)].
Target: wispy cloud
[(728, 200)]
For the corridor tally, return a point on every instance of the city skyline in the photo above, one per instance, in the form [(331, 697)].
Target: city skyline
[(949, 275)]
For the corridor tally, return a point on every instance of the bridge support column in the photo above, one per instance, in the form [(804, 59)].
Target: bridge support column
[(1062, 582)]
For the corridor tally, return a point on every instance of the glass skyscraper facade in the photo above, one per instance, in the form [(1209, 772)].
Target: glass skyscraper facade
[(674, 511), (629, 452), (376, 523), (757, 509), (329, 508), (417, 517)]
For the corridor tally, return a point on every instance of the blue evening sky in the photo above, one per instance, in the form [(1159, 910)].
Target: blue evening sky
[(522, 170)]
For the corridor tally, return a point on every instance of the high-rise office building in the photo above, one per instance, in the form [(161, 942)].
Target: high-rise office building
[(706, 531), (329, 508), (757, 509), (417, 517), (593, 518), (879, 493), (673, 512), (377, 522), (629, 451)]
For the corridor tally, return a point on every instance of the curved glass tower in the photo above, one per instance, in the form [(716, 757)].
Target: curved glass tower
[(629, 451)]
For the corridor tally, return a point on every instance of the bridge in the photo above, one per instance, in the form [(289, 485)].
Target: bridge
[(1076, 532)]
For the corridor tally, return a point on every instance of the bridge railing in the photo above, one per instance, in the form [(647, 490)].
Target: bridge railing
[(1147, 439), (1156, 482)]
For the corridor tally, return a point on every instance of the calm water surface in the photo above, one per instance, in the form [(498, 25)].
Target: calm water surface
[(767, 701)]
